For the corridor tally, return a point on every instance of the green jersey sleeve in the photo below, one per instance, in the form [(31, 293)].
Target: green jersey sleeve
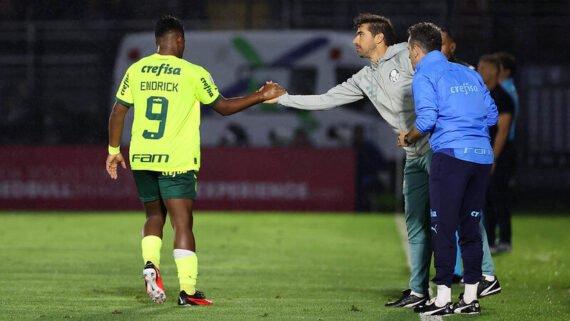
[(124, 94), (206, 90)]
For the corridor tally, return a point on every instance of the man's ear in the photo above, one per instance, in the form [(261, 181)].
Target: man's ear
[(379, 38), (452, 47), (415, 50)]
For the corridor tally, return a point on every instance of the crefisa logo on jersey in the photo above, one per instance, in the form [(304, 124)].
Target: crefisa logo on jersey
[(207, 87), (162, 69), (125, 85), (394, 75)]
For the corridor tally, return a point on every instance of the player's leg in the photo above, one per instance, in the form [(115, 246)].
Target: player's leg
[(179, 192), (489, 284), (491, 213), (470, 236), (503, 175), (151, 243), (447, 184), (152, 231), (416, 200)]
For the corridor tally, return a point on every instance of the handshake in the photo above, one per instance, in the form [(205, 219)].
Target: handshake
[(270, 92)]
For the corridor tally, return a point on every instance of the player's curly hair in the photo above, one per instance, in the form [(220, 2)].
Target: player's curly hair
[(377, 24), (425, 35), (167, 23)]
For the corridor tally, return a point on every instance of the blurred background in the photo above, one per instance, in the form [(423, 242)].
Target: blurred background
[(61, 62)]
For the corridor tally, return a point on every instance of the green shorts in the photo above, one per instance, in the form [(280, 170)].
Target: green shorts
[(160, 185)]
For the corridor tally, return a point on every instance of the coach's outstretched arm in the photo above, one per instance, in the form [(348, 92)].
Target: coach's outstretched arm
[(228, 106), (342, 94)]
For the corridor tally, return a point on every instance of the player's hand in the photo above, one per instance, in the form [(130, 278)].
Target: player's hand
[(401, 142), (112, 163), (271, 91)]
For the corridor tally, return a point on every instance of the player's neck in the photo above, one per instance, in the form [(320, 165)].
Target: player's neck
[(168, 51)]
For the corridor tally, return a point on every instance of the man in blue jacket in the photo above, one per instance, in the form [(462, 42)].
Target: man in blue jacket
[(454, 106)]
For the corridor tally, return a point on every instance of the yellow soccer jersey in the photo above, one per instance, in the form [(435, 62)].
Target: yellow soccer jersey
[(166, 92)]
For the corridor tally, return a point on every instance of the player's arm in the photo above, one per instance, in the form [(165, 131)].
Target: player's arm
[(229, 106), (492, 112), (503, 127), (342, 94), (116, 123)]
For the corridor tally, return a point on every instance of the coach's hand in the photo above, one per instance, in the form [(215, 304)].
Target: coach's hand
[(112, 162), (273, 92), (401, 142)]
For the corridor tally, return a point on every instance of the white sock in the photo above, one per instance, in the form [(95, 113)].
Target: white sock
[(489, 278), (443, 295), (179, 253), (419, 295), (470, 293)]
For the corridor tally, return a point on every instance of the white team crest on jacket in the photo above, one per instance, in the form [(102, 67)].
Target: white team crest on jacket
[(394, 75)]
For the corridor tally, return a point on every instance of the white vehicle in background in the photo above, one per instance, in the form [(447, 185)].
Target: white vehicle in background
[(303, 62)]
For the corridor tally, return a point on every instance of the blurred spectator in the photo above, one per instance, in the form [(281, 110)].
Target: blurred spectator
[(279, 137), (234, 135), (497, 206), (340, 134), (506, 78), (369, 161), (301, 139), (19, 123)]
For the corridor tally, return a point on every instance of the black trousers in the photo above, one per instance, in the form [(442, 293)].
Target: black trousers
[(497, 207), (457, 196)]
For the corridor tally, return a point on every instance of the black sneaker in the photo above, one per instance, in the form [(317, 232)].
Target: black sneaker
[(198, 298), (408, 300), (463, 308), (431, 309), (486, 288)]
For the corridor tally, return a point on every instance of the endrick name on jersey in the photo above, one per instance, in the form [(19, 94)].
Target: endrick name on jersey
[(159, 85)]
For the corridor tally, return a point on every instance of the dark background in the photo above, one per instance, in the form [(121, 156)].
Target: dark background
[(57, 58)]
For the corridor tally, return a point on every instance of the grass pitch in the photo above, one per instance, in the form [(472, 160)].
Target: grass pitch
[(87, 266)]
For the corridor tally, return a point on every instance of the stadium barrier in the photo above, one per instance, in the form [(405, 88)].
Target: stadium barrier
[(74, 178)]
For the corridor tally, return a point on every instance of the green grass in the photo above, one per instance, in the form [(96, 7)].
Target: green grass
[(256, 267)]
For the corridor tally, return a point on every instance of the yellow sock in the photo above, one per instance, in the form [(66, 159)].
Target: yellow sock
[(187, 265), (151, 245)]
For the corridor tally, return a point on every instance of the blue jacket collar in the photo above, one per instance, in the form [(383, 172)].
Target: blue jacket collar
[(432, 56)]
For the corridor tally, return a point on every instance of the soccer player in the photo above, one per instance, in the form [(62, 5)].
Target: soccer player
[(454, 106), (387, 84), (165, 92), (497, 209)]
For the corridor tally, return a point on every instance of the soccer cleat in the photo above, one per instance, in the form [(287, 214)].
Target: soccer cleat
[(198, 298), (153, 283), (486, 288), (463, 308), (431, 309), (408, 300)]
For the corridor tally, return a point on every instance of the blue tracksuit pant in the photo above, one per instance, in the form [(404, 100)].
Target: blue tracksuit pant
[(457, 197)]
